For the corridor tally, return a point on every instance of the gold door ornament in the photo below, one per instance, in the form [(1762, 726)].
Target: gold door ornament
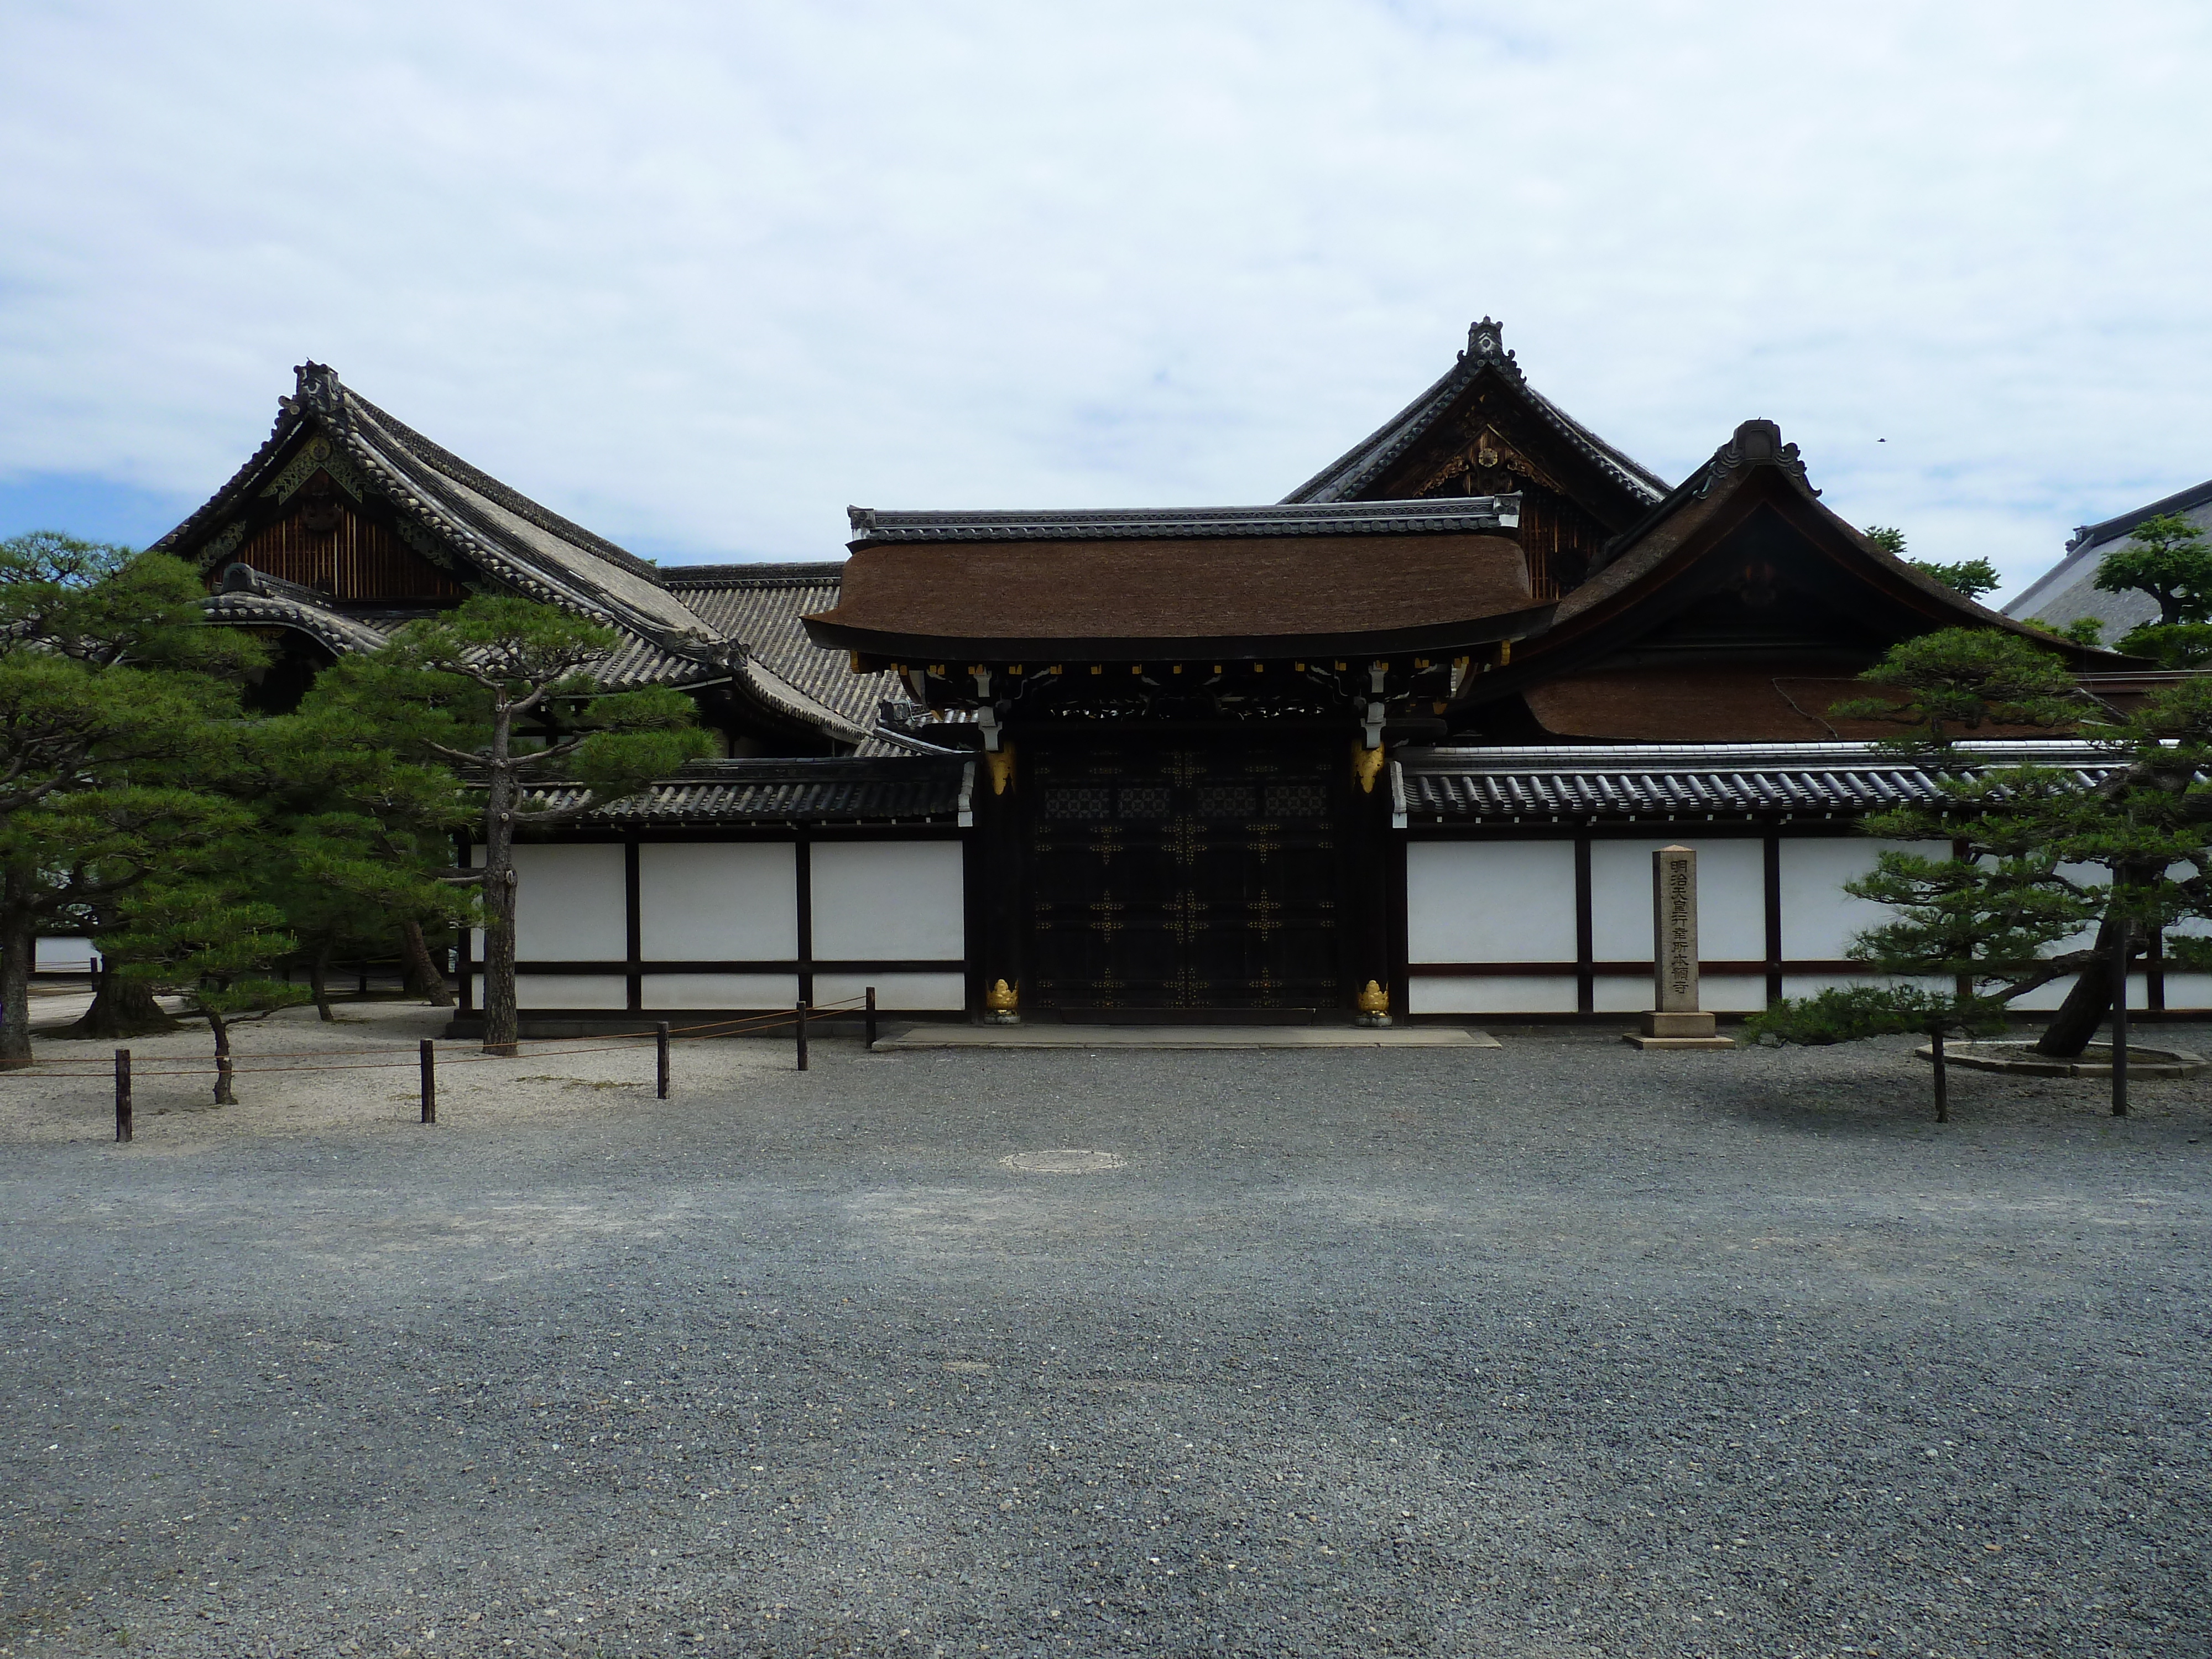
[(1374, 1005), (1367, 766)]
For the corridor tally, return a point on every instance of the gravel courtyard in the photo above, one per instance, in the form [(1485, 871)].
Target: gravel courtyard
[(1556, 1350)]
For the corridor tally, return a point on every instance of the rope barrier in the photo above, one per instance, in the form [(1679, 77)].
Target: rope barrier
[(705, 1031)]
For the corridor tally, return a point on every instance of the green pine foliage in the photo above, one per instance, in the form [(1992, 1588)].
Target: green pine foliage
[(2053, 872), (2167, 558), (208, 937), (112, 697), (500, 690), (1959, 680), (359, 834), (2170, 645), (1972, 577)]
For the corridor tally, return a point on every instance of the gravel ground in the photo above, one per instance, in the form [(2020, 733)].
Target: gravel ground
[(1556, 1350)]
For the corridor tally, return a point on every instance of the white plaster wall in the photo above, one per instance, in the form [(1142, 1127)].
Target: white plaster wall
[(2045, 998), (718, 902), (895, 900), (1717, 993), (568, 904), (64, 956), (1491, 994), (893, 991), (1731, 900), (1819, 918), (562, 991), (719, 990), (1492, 901), (2189, 990)]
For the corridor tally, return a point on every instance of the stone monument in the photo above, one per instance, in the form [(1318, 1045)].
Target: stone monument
[(1676, 1021)]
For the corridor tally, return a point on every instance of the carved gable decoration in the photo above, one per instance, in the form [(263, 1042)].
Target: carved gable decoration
[(314, 525)]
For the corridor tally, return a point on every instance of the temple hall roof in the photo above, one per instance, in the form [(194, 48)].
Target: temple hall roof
[(2068, 591), (1359, 468), (1243, 583)]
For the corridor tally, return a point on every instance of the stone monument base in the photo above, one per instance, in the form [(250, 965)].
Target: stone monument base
[(1677, 1031)]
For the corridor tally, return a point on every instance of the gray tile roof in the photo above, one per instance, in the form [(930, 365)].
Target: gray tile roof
[(875, 526), (1673, 783), (761, 604), (688, 638), (843, 789), (338, 634), (2068, 591)]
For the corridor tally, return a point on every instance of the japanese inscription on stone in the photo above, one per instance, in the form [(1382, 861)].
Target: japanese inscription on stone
[(1674, 930)]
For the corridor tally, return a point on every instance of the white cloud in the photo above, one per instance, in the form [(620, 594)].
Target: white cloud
[(702, 274)]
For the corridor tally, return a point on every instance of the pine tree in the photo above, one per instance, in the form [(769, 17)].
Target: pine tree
[(360, 836), (500, 690), (108, 683), (206, 937), (2005, 914), (2166, 558), (1972, 577)]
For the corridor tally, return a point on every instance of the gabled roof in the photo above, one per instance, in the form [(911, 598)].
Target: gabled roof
[(1738, 609), (515, 543), (668, 636), (1358, 468), (1755, 468), (2067, 590)]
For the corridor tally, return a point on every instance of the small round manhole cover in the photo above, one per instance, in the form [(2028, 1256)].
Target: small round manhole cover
[(1066, 1160)]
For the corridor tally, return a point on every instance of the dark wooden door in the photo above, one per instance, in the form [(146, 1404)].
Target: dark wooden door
[(1175, 874)]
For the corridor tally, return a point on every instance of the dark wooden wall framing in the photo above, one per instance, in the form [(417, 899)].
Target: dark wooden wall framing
[(633, 967)]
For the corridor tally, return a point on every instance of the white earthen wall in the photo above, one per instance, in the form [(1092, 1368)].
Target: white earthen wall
[(717, 901), (1731, 901), (1493, 901), (890, 900)]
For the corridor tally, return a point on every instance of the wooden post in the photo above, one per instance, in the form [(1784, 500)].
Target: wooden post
[(361, 982), (1942, 1080), (2120, 1022), (872, 1017), (122, 1094), (802, 1034), (430, 1082), (660, 1052)]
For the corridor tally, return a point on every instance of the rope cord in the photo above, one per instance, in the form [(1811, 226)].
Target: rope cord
[(699, 1033)]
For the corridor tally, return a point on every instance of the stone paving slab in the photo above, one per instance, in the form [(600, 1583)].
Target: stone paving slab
[(1182, 1037)]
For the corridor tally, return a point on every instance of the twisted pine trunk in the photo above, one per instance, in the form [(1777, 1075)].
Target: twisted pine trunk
[(2088, 1003), (121, 1007), (424, 976)]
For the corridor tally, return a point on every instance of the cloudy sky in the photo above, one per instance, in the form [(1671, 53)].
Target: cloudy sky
[(700, 275)]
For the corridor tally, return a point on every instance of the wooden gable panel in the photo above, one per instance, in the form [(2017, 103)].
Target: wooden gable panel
[(355, 558)]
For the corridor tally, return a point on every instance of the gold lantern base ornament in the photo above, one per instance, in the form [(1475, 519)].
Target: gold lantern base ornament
[(1002, 1005), (1374, 1005)]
